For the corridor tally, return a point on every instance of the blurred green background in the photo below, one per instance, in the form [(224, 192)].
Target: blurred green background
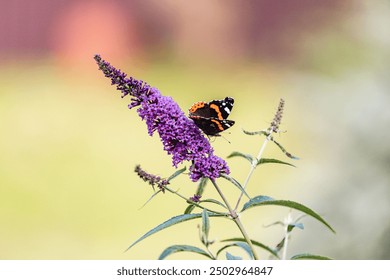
[(69, 144)]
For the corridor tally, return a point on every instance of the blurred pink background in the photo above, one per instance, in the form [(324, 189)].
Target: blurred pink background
[(253, 30)]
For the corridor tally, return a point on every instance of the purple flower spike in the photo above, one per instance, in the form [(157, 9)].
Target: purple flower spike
[(181, 138)]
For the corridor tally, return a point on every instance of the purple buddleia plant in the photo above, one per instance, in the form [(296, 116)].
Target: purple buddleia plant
[(186, 143), (180, 137)]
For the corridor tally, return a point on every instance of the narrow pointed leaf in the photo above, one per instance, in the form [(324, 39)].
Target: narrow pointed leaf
[(242, 245), (214, 201), (182, 248), (202, 185), (309, 257), (205, 226), (238, 154), (230, 257), (292, 226), (271, 160), (236, 183), (280, 245), (156, 193), (266, 200), (255, 243), (177, 173), (266, 133), (261, 132), (274, 224), (192, 206), (189, 209), (172, 221), (285, 151)]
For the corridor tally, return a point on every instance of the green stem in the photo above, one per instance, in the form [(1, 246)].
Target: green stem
[(287, 222), (254, 165), (210, 253), (236, 219), (193, 203)]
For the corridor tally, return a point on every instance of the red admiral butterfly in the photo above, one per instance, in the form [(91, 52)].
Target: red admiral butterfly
[(211, 117)]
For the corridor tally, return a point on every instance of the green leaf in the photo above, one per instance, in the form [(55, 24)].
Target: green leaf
[(271, 160), (214, 201), (242, 245), (261, 132), (189, 209), (230, 257), (255, 243), (284, 150), (280, 245), (266, 200), (183, 248), (177, 173), (267, 133), (202, 185), (251, 159), (205, 227), (192, 206), (153, 195), (238, 154), (309, 257), (236, 183), (290, 227), (257, 200), (172, 221)]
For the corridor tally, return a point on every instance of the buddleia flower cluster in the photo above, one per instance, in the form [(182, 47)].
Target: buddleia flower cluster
[(180, 137)]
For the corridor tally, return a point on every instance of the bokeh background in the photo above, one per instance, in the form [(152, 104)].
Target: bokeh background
[(69, 144)]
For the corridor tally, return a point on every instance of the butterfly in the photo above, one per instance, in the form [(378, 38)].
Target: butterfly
[(211, 117)]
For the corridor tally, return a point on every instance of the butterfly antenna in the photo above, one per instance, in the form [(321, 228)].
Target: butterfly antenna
[(225, 138)]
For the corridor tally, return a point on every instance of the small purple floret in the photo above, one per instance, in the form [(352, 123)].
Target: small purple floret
[(181, 138)]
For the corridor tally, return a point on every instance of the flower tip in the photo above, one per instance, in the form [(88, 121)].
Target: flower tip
[(278, 116), (98, 58)]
